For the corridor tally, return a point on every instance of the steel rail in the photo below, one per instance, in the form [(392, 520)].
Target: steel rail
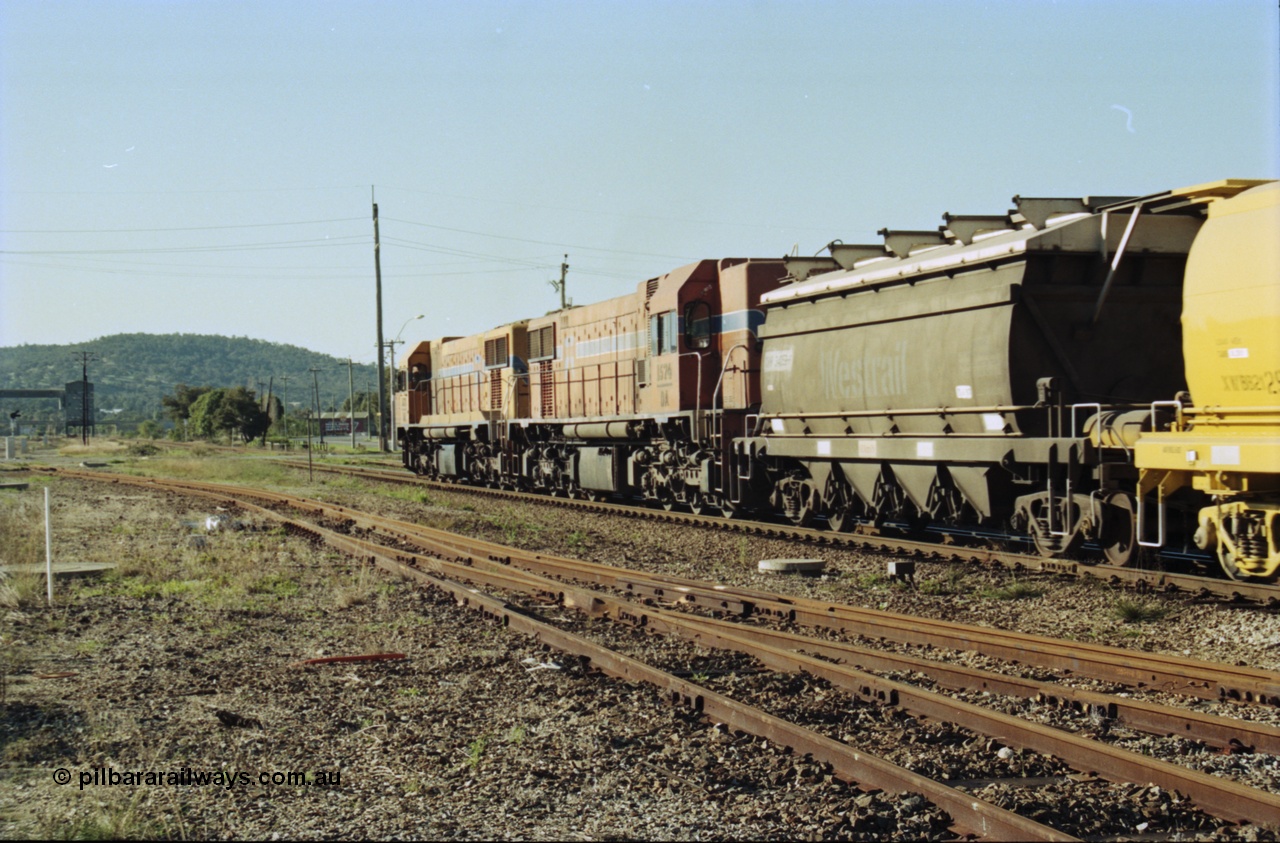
[(1152, 671), (1138, 578), (1221, 797), (970, 813), (1137, 669), (1224, 798)]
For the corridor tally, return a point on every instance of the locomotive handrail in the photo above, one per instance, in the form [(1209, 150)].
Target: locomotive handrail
[(715, 400), (697, 398), (724, 367)]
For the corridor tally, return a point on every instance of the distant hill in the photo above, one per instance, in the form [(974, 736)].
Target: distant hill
[(133, 371)]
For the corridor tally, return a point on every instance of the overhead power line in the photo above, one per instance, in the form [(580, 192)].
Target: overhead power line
[(536, 242), (234, 247), (160, 230)]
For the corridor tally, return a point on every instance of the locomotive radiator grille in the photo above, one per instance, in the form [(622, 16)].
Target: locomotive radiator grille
[(548, 389)]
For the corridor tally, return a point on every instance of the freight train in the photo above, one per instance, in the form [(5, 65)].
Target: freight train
[(1094, 375)]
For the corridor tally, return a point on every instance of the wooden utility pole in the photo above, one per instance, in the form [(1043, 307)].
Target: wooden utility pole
[(271, 383), (351, 403), (285, 403), (316, 394), (560, 285), (382, 371)]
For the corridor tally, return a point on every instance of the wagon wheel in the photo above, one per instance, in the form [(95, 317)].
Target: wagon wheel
[(698, 504), (1230, 562), (1118, 535), (1049, 545), (806, 507), (1046, 543), (842, 506), (728, 509)]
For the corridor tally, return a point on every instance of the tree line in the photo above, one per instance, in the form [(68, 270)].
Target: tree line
[(207, 411)]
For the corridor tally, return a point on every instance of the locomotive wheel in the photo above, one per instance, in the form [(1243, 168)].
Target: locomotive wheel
[(728, 509), (698, 504), (1118, 536)]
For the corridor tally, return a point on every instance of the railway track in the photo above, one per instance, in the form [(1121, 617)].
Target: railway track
[(463, 566), (1139, 579)]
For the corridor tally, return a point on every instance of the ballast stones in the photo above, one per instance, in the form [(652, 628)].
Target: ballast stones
[(792, 566)]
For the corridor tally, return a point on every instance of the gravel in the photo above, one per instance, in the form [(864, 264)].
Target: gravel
[(478, 733)]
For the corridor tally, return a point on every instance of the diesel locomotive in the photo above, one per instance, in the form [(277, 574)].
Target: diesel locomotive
[(1095, 375)]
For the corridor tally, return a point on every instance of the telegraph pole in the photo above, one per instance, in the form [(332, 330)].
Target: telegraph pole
[(351, 403), (560, 285), (85, 357), (285, 404), (382, 371), (316, 394)]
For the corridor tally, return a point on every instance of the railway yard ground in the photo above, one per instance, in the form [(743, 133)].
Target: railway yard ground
[(185, 660)]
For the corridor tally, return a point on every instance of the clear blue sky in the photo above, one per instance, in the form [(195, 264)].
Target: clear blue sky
[(205, 167)]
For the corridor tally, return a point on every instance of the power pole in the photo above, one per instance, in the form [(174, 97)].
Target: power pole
[(85, 357), (285, 404), (391, 347), (316, 394), (560, 285), (351, 403), (382, 371), (271, 383)]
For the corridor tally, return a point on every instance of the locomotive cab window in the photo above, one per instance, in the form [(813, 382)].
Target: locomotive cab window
[(662, 333), (697, 325)]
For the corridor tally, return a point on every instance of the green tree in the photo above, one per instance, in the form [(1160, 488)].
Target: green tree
[(178, 405), (207, 416), (245, 414)]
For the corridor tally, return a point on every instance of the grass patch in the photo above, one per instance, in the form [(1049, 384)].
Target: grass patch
[(411, 495), (872, 581), (1016, 590), (517, 529), (1139, 611), (951, 582), (276, 585), (475, 751)]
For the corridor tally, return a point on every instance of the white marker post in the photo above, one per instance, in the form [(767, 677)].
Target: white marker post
[(48, 546)]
